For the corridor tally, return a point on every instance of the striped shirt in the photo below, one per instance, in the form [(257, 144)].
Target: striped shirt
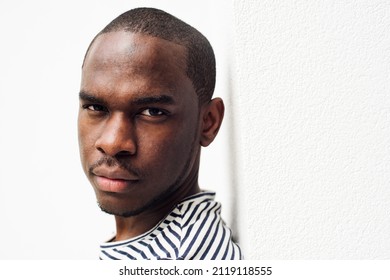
[(193, 230)]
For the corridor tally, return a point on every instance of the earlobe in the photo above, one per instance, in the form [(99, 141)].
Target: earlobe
[(212, 117)]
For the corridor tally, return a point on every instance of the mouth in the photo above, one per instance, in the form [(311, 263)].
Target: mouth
[(114, 185), (115, 181)]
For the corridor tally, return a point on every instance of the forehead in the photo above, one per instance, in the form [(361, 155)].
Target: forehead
[(135, 55)]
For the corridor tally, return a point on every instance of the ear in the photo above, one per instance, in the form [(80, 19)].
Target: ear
[(212, 116)]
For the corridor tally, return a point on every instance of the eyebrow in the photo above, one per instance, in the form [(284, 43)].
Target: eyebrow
[(156, 99), (159, 99), (90, 98)]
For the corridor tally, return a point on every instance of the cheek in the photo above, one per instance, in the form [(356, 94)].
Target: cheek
[(86, 141), (166, 151)]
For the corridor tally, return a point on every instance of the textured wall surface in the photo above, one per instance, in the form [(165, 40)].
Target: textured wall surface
[(312, 116)]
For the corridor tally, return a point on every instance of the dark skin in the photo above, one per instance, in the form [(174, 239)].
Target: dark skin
[(141, 128)]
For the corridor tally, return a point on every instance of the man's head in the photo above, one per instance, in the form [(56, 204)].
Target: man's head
[(145, 110)]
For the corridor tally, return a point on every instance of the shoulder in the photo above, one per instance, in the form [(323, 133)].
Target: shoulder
[(194, 208), (204, 234)]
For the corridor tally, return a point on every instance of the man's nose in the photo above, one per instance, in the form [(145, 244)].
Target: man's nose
[(117, 137)]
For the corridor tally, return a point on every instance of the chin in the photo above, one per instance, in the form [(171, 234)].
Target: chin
[(121, 206), (128, 206), (121, 212)]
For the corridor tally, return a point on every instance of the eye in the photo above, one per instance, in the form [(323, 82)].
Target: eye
[(153, 112), (95, 107)]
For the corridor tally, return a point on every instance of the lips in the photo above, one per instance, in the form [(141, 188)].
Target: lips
[(114, 180)]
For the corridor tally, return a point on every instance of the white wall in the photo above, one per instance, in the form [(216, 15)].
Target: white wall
[(47, 207), (313, 128)]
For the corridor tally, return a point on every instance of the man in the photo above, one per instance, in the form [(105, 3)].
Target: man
[(145, 112)]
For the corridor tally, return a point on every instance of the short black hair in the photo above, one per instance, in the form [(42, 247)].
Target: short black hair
[(157, 23)]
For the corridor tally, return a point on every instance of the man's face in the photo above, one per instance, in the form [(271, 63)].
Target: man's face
[(138, 122)]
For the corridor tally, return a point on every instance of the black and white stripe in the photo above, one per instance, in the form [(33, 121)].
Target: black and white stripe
[(194, 230)]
